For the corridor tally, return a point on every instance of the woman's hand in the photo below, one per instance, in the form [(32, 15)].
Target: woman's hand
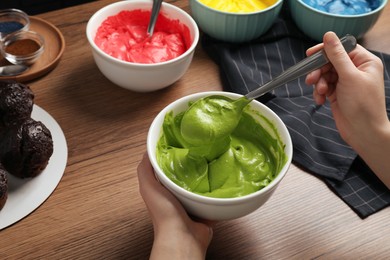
[(354, 85), (176, 235)]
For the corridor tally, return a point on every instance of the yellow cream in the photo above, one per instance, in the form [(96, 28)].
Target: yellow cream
[(238, 6)]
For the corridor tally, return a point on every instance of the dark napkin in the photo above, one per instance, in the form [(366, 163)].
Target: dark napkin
[(318, 147)]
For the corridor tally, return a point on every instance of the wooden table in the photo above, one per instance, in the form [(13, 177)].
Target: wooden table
[(96, 211)]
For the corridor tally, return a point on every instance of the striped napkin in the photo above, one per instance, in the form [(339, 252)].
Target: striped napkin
[(318, 147)]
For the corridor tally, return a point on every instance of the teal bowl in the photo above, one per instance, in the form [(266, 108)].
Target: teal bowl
[(234, 27), (315, 23)]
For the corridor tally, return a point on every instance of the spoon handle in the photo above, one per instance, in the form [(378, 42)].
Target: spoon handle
[(307, 65), (153, 17)]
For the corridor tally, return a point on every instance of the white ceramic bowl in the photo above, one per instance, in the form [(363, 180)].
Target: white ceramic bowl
[(135, 76), (218, 208), (234, 27)]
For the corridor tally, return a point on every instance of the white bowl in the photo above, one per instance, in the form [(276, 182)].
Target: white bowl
[(135, 76), (218, 208)]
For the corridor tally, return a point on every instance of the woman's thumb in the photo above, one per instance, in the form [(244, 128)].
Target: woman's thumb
[(336, 54)]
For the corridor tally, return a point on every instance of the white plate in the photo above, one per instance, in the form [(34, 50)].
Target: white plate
[(25, 195)]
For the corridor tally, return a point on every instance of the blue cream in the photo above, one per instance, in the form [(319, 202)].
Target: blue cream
[(10, 27), (344, 7)]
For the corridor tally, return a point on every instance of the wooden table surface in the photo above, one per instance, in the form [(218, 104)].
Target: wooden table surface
[(96, 211)]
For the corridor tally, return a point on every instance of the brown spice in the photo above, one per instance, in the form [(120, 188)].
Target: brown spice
[(22, 47)]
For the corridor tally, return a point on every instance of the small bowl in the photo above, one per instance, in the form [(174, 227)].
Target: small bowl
[(24, 47), (234, 27), (13, 20), (315, 23), (137, 76), (219, 208)]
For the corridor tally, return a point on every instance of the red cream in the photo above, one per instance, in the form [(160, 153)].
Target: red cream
[(124, 36)]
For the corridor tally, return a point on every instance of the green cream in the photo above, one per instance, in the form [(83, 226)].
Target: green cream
[(244, 159), (211, 118)]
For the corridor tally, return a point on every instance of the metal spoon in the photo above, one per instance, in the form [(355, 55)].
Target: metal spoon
[(12, 70), (202, 127), (153, 18), (303, 67)]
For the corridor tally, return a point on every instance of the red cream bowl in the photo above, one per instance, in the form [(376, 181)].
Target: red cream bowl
[(142, 67)]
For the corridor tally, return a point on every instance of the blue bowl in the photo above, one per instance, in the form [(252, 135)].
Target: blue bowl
[(315, 23), (234, 27)]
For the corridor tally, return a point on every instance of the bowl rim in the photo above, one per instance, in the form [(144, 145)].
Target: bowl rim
[(16, 13), (188, 52), (273, 6), (378, 9), (212, 200)]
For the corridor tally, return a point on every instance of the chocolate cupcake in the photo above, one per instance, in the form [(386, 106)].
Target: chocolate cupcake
[(3, 187), (31, 150), (16, 104)]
